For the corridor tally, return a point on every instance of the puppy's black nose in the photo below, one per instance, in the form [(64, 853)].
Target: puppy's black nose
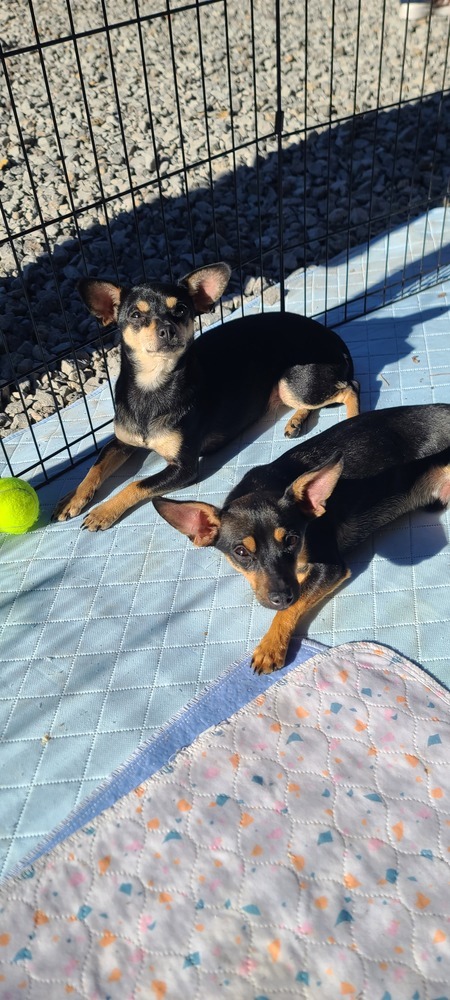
[(167, 334), (281, 599)]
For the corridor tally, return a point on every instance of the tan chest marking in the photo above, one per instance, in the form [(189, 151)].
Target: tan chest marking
[(164, 441)]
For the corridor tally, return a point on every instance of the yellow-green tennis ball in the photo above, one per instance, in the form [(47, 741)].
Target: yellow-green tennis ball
[(19, 506)]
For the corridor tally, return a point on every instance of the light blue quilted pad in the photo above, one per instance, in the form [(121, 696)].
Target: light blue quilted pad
[(104, 637)]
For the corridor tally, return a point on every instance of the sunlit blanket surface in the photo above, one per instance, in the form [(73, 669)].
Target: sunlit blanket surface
[(300, 849)]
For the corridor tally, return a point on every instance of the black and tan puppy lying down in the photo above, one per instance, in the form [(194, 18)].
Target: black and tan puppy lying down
[(287, 526)]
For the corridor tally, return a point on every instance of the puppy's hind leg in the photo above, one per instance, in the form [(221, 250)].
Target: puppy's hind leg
[(304, 394), (433, 491), (289, 397), (350, 398)]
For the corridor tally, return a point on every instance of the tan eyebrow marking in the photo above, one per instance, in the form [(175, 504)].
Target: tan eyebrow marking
[(279, 534), (171, 301), (249, 543), (143, 306)]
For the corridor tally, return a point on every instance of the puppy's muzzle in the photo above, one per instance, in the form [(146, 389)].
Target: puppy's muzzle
[(167, 336), (280, 599)]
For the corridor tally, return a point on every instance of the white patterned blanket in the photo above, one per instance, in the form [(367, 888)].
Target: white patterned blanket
[(299, 850)]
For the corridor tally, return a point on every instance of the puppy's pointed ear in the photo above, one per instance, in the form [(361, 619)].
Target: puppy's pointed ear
[(312, 489), (102, 299), (199, 521), (206, 285)]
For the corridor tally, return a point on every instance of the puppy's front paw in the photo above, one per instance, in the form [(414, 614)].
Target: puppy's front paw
[(268, 657), (71, 505), (101, 517)]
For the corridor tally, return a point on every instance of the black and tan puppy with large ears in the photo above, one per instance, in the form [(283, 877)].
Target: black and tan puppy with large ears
[(183, 397), (287, 526)]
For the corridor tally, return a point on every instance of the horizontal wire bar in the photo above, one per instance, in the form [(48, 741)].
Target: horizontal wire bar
[(114, 26), (205, 161)]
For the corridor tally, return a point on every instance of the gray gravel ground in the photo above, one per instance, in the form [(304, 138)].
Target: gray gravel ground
[(169, 135)]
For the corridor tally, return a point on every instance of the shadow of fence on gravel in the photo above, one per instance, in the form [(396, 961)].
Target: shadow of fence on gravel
[(340, 187)]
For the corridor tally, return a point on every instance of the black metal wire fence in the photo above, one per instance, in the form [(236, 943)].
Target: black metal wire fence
[(142, 138)]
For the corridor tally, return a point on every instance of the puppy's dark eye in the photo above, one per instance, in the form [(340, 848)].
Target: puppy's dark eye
[(135, 314), (180, 310), (241, 552), (291, 539)]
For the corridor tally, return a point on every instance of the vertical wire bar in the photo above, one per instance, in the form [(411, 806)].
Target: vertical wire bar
[(98, 177), (416, 148), (152, 132), (122, 131), (208, 143), (375, 133), (233, 146), (327, 223), (180, 128), (437, 133), (257, 172), (439, 117), (394, 164), (444, 222), (446, 201), (352, 150), (102, 202), (46, 243), (16, 378), (206, 124), (279, 132), (6, 457), (305, 195), (69, 191)]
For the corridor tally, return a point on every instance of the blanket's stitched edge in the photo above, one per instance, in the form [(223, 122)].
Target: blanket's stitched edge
[(236, 687), (176, 736)]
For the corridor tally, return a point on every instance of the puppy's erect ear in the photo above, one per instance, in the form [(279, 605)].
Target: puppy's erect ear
[(312, 489), (102, 298), (206, 285), (199, 521)]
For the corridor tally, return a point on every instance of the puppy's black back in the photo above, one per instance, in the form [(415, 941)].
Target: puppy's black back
[(243, 360), (377, 447), (289, 338)]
